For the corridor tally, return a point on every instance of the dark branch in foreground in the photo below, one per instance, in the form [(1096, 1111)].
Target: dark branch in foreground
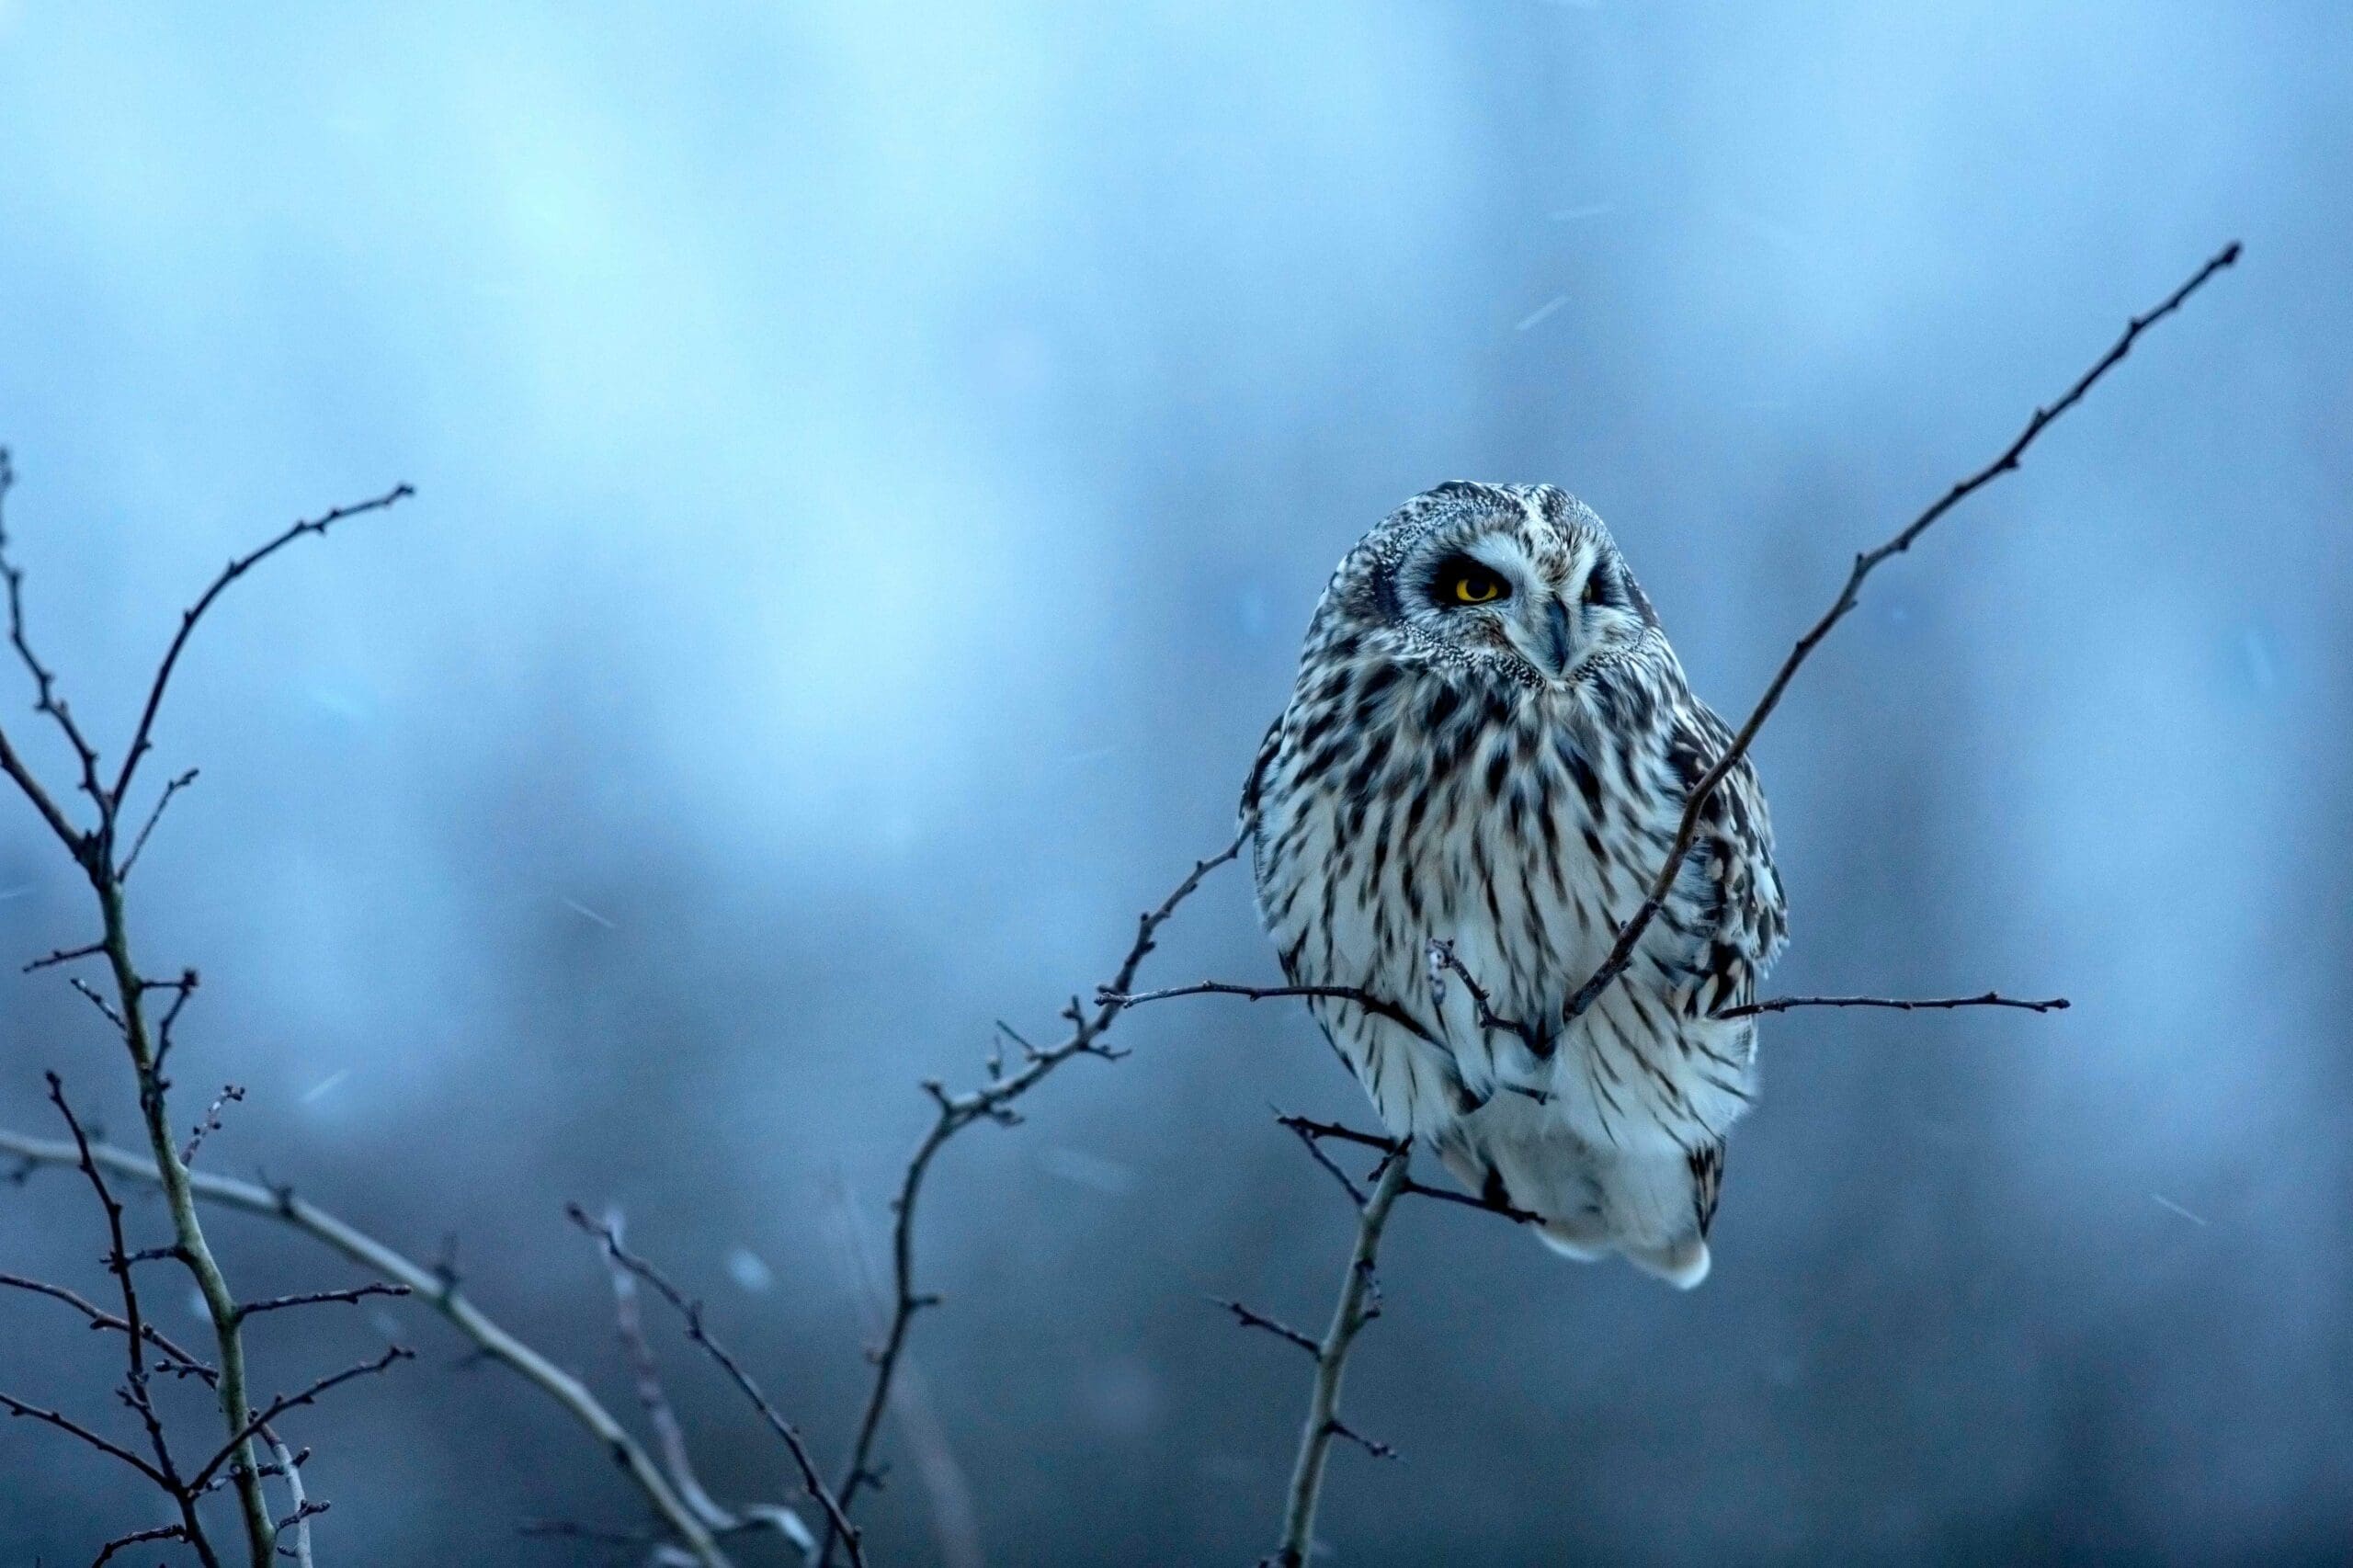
[(97, 852), (428, 1284), (691, 1311), (1621, 951), (1901, 1004)]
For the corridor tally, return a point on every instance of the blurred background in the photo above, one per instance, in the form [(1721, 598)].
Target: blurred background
[(874, 465)]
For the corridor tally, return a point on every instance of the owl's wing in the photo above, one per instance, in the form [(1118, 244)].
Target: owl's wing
[(1742, 919), (1254, 787)]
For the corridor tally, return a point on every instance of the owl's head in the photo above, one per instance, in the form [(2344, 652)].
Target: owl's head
[(1518, 580)]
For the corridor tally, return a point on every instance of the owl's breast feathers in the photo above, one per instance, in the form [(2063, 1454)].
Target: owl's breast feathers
[(1397, 801)]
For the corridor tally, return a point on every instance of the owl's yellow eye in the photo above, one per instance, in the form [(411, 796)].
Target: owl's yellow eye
[(1466, 582)]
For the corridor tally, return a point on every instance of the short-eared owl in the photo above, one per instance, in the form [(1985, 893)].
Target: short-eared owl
[(1491, 746)]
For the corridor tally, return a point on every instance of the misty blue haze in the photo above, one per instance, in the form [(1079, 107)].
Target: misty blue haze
[(874, 465)]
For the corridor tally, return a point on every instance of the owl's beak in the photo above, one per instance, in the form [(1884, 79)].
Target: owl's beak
[(1542, 633)]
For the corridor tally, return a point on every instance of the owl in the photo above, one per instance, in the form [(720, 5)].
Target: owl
[(1491, 746)]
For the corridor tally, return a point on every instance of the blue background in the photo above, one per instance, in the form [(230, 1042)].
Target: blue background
[(875, 462)]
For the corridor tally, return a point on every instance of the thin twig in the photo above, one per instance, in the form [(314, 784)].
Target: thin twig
[(64, 1422), (392, 1355), (691, 1311), (1249, 1319), (229, 1094), (1511, 1212), (320, 1298), (136, 1537), (172, 787), (1312, 1141), (1378, 1449), (1309, 1128), (64, 955), (141, 737), (176, 1359), (1379, 1006), (668, 1434), (45, 698), (1902, 1004), (1442, 960), (1621, 951)]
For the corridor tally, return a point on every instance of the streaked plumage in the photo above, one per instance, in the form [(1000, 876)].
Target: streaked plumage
[(1505, 776)]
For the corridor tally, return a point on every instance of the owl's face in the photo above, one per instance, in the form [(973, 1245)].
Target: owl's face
[(1516, 580)]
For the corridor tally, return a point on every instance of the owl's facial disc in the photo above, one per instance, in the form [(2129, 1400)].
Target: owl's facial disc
[(1516, 581), (1493, 595)]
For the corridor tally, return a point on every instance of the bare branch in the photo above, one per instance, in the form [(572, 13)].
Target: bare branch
[(1621, 951), (1379, 1006), (176, 1359), (136, 1537), (140, 738), (392, 1355), (691, 1311), (122, 872), (493, 1341), (1309, 1128), (135, 1393), (1379, 1450), (1442, 960), (45, 698), (1249, 1319), (107, 1009), (183, 988), (668, 1435), (64, 955), (305, 1510), (68, 1424), (1312, 1141), (319, 1297), (1357, 1306), (212, 1122), (1516, 1214), (1902, 1004)]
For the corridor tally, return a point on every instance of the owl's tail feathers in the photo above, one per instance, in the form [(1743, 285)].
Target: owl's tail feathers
[(1682, 1263), (1587, 1240)]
